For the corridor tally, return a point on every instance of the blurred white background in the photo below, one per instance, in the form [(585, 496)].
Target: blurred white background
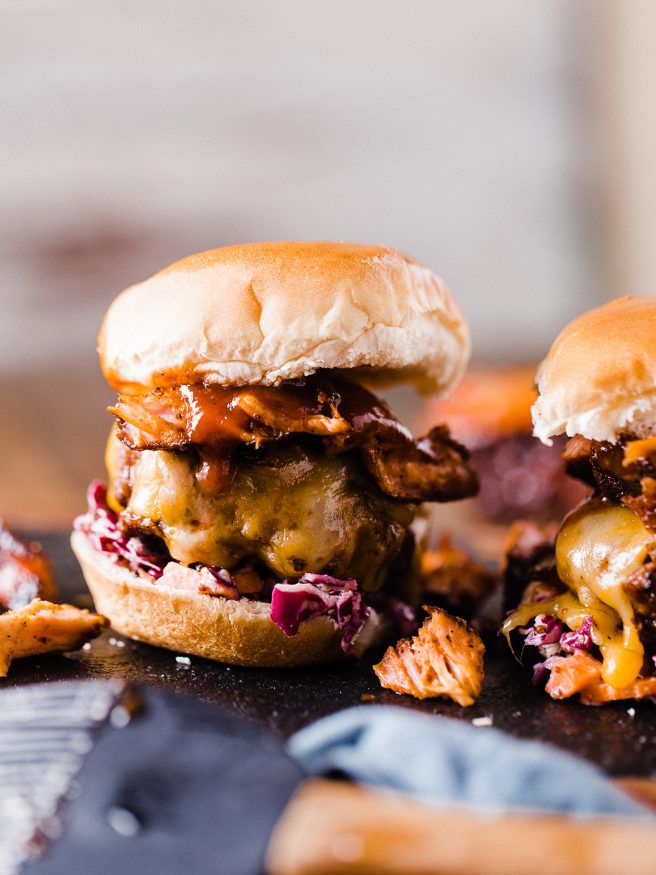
[(136, 132), (490, 140)]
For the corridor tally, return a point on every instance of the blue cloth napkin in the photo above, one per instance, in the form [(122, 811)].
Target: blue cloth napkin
[(451, 762)]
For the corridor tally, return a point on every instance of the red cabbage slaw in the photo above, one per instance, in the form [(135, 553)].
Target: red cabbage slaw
[(100, 524), (553, 639), (292, 603), (316, 594)]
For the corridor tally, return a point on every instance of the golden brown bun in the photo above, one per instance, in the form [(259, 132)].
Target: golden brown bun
[(237, 632), (267, 312), (488, 404), (599, 379)]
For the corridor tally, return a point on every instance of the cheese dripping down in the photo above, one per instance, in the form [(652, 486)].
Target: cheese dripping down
[(598, 548)]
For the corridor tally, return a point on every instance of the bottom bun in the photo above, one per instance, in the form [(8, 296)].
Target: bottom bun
[(239, 632)]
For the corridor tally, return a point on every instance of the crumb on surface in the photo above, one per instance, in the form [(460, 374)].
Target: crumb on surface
[(444, 658)]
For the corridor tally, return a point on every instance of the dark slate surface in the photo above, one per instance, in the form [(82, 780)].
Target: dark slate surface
[(286, 700)]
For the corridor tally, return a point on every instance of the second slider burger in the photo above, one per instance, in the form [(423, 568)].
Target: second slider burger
[(260, 497), (587, 619)]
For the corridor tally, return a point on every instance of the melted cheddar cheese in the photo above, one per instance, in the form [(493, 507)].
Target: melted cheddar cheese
[(293, 509), (598, 547)]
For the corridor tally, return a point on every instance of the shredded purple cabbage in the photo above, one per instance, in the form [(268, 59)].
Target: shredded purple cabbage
[(541, 668), (579, 640), (554, 640), (217, 581), (545, 630), (315, 594), (100, 524)]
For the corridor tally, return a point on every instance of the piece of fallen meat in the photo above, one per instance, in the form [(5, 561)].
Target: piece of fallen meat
[(581, 673), (454, 581), (433, 468), (43, 627), (25, 571), (599, 693), (444, 658), (572, 674)]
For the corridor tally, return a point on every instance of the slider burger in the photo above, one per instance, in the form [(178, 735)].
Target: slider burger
[(587, 618), (260, 498)]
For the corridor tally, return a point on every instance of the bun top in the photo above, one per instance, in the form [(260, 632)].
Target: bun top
[(267, 312), (599, 378)]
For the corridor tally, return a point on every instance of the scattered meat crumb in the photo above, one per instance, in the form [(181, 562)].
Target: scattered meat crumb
[(444, 658), (43, 627)]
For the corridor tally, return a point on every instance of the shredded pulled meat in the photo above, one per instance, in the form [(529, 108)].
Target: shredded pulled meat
[(43, 627), (216, 420), (225, 416), (454, 581), (599, 693), (444, 658), (25, 571), (220, 416), (434, 468), (572, 674), (624, 472), (581, 673)]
